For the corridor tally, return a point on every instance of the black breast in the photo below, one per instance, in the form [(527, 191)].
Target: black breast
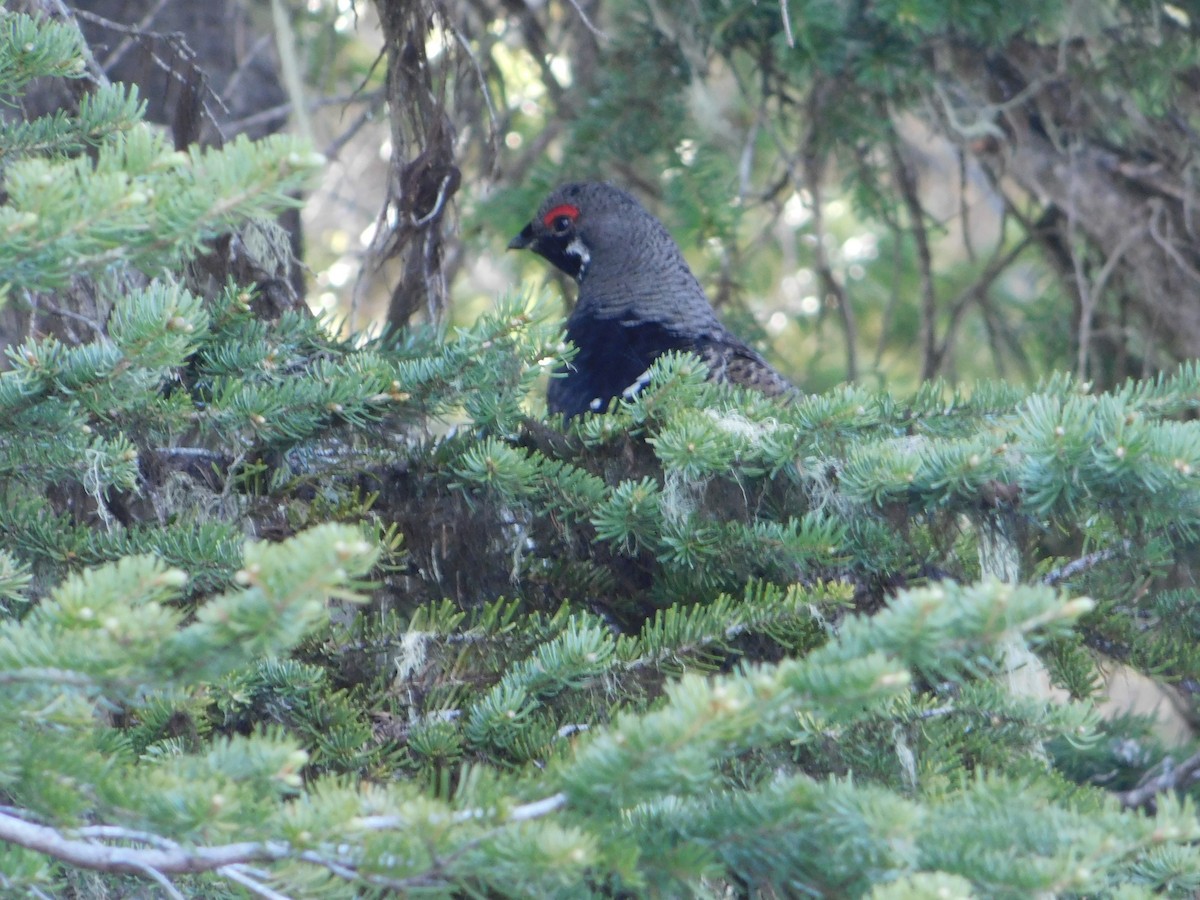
[(613, 354)]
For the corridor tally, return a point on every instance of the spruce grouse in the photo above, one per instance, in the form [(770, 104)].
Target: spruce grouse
[(637, 300)]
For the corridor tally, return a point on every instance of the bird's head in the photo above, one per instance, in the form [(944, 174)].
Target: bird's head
[(582, 223)]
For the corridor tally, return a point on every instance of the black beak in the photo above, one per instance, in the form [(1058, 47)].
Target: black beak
[(522, 240)]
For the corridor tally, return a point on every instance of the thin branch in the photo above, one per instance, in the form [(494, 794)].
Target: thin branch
[(494, 132), (964, 206), (916, 216), (182, 52), (537, 808), (46, 676), (289, 67), (334, 148), (283, 109), (130, 31), (813, 164), (889, 310), (985, 114), (787, 23), (117, 833), (253, 885), (1168, 246), (234, 83), (191, 453), (163, 882), (937, 712), (586, 21), (1073, 568), (39, 301), (1087, 304), (166, 861), (1172, 778), (994, 269), (533, 810), (166, 858)]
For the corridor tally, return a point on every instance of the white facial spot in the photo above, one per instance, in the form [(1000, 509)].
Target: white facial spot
[(579, 249)]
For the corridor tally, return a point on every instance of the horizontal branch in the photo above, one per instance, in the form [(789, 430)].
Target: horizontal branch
[(164, 857), (1172, 778), (46, 676), (1078, 566), (134, 861)]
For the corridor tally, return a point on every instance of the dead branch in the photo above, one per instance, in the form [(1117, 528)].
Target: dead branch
[(907, 184), (813, 164), (1073, 568), (161, 856), (1171, 778), (165, 860)]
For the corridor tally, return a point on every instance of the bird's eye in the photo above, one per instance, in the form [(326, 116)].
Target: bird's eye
[(561, 224)]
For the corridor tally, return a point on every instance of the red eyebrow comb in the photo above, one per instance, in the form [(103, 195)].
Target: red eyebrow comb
[(564, 209)]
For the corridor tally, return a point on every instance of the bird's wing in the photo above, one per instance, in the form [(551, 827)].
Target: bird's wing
[(729, 360)]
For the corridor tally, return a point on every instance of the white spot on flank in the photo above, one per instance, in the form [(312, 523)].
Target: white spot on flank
[(642, 381), (595, 405)]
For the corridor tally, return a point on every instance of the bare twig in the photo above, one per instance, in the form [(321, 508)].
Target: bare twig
[(163, 882), (1073, 568), (889, 310), (537, 808), (334, 148), (999, 263), (46, 676), (493, 119), (192, 454), (813, 163), (130, 31), (234, 82), (1089, 298), (937, 712), (179, 47), (986, 113), (964, 207), (1171, 778), (162, 856), (916, 215), (586, 21), (86, 854), (117, 833), (38, 302), (253, 885), (289, 67), (787, 23), (1169, 246)]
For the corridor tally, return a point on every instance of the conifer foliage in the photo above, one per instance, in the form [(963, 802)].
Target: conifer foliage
[(269, 627)]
